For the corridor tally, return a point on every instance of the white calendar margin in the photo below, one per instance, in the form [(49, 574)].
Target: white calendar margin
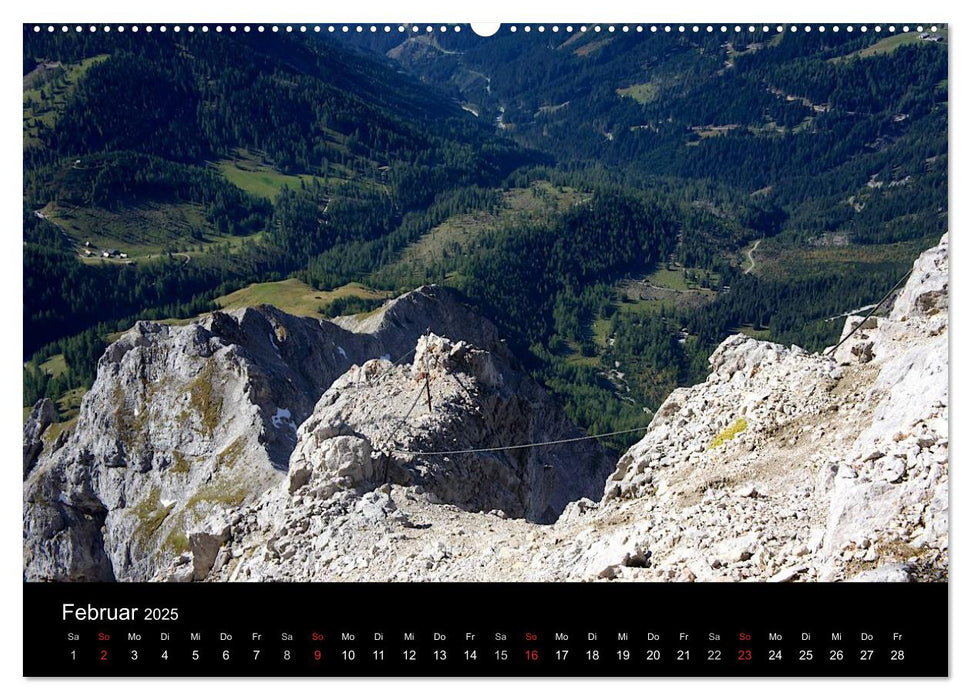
[(386, 11)]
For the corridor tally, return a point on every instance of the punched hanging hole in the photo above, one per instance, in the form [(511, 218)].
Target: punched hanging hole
[(485, 28)]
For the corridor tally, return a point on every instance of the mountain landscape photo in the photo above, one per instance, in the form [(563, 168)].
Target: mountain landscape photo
[(412, 304)]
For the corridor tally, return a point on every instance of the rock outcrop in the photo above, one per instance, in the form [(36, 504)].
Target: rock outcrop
[(456, 397), (184, 421), (786, 465), (425, 428), (41, 417)]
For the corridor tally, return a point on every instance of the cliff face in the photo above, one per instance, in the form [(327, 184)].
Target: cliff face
[(184, 422), (380, 433), (456, 397), (309, 457), (788, 466)]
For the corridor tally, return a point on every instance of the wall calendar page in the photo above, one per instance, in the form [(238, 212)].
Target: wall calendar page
[(526, 349)]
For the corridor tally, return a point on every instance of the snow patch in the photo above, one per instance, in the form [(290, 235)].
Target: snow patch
[(341, 351), (283, 418)]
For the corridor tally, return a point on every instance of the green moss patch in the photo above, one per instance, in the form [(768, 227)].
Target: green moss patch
[(204, 400), (150, 514), (224, 492), (228, 458), (180, 463), (176, 541)]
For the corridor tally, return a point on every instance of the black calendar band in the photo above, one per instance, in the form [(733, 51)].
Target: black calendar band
[(472, 629)]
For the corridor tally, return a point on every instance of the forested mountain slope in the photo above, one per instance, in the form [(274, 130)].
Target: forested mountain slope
[(617, 202), (814, 162)]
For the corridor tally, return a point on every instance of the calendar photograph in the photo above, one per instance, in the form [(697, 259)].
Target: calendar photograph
[(433, 303)]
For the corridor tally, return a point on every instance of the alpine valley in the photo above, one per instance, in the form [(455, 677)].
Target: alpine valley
[(313, 306)]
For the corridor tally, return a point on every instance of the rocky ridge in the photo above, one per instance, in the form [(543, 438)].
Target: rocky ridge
[(786, 465), (186, 421), (782, 466), (373, 435)]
